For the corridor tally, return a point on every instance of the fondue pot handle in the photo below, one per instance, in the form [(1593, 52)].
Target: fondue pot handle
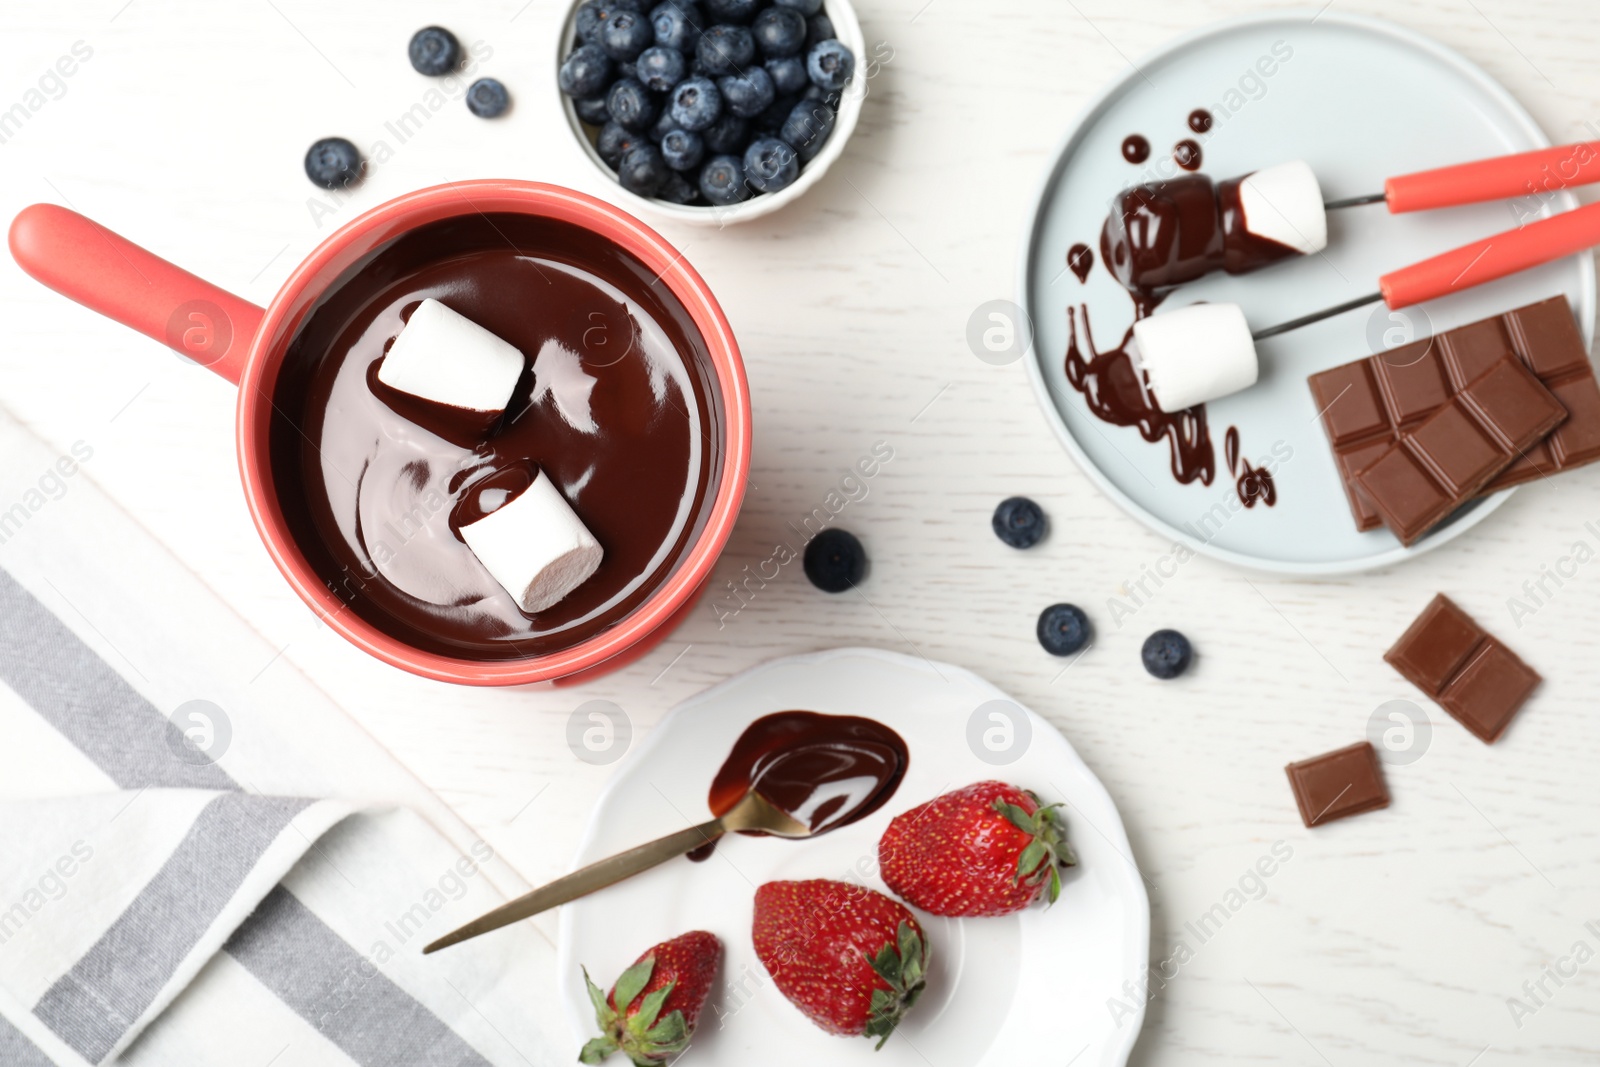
[(85, 262)]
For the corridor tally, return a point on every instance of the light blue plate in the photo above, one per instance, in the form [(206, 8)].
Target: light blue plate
[(1360, 100)]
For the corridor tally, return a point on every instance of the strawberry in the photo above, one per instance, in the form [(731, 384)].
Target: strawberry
[(851, 959), (988, 849), (662, 994)]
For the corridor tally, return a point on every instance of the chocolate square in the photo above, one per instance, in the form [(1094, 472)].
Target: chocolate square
[(1511, 404), (1577, 440), (1434, 647), (1548, 339), (1489, 690), (1471, 673), (1411, 381), (1348, 399), (1352, 463), (1470, 350), (1338, 784), (1409, 501), (1458, 454)]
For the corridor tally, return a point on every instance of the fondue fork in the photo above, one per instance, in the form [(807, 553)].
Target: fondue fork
[(753, 813)]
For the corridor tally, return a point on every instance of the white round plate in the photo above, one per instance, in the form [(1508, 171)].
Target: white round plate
[(991, 981), (1360, 100)]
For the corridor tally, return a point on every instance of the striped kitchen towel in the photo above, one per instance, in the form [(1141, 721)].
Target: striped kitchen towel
[(202, 862)]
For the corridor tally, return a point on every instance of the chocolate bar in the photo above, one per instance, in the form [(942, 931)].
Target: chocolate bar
[(1344, 782), (1467, 670), (1367, 404), (1442, 462)]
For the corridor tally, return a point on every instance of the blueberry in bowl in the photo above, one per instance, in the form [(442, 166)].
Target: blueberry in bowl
[(713, 111)]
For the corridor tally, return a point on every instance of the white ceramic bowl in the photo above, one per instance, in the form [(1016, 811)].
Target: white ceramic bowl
[(846, 27)]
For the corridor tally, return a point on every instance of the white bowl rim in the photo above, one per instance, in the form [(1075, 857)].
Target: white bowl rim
[(846, 27)]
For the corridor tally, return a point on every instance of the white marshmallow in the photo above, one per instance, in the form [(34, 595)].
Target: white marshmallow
[(535, 546), (1284, 204), (449, 359), (1195, 354)]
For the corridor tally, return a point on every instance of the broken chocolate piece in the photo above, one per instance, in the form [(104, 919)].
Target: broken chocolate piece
[(1345, 782), (1469, 672)]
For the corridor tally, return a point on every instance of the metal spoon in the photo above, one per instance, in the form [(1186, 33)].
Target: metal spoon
[(753, 812)]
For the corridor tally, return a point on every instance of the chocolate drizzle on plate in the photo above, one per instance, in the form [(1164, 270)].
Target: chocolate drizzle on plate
[(1081, 259), (1135, 149), (1186, 154), (1158, 236), (1253, 484), (1115, 390)]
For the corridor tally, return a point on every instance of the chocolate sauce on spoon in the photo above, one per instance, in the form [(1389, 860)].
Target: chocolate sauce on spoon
[(826, 771)]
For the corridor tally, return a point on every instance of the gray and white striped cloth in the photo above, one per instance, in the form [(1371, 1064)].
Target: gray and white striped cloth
[(205, 863)]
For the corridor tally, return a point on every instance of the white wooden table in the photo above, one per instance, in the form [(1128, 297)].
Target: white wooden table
[(1394, 938)]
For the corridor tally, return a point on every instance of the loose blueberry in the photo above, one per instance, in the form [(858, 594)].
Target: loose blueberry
[(722, 181), (835, 561), (808, 127), (739, 11), (677, 190), (727, 136), (819, 28), (660, 68), (1019, 522), (788, 74), (696, 104), (627, 5), (590, 17), (626, 34), (593, 111), (830, 65), (334, 163), (586, 73), (1063, 629), (805, 7), (614, 142), (771, 165), (434, 51), (779, 31), (749, 94), (726, 50), (631, 105), (677, 24), (683, 149), (777, 113), (642, 170), (487, 98), (1166, 654)]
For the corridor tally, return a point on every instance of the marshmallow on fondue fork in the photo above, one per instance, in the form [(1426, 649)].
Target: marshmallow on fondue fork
[(527, 537)]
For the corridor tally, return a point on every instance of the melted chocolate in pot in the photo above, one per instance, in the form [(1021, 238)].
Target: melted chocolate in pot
[(618, 406)]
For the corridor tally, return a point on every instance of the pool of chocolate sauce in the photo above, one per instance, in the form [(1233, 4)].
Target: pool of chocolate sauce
[(618, 405), (827, 771)]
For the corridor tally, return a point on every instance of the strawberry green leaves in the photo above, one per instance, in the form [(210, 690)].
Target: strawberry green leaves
[(903, 965), (1048, 850), (648, 1038)]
